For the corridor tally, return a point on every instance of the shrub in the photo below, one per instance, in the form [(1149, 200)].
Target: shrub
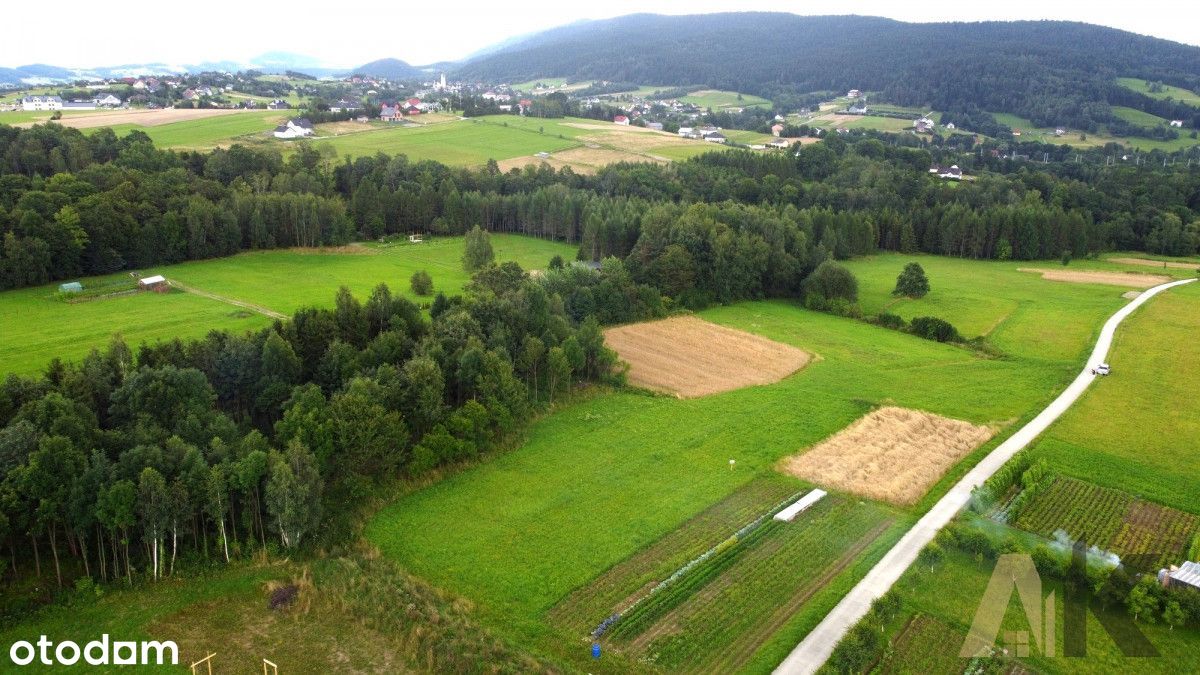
[(912, 282), (422, 283), (933, 328), (1066, 258), (830, 280), (556, 263), (892, 321)]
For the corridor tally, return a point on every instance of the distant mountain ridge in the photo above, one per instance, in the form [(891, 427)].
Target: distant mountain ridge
[(269, 62), (1051, 71), (392, 69)]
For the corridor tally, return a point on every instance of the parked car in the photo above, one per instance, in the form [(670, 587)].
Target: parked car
[(1101, 369)]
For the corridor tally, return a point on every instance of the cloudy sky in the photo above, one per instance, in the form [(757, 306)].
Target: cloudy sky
[(74, 33)]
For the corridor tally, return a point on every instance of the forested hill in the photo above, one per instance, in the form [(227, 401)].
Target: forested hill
[(1054, 72)]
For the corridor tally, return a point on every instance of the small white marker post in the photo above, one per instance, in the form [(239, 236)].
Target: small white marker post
[(731, 463)]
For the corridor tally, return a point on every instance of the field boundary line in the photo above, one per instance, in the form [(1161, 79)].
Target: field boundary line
[(229, 301), (816, 647)]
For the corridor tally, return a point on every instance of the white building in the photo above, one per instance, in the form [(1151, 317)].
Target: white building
[(1177, 123), (108, 101), (41, 103), (296, 128)]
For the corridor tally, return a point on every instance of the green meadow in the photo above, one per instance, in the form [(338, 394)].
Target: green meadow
[(609, 475), (1104, 438), (1177, 93), (1138, 117), (460, 143), (716, 99), (209, 132), (280, 280)]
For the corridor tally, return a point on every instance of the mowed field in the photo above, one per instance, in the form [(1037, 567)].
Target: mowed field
[(38, 326), (608, 476), (1168, 91), (1105, 437), (182, 129), (718, 100)]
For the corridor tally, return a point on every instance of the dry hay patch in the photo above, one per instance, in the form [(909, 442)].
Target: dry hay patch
[(1134, 279), (616, 128), (891, 454), (145, 118), (1146, 262), (690, 357)]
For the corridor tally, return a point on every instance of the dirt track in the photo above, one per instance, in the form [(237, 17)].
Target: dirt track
[(1160, 264), (690, 357)]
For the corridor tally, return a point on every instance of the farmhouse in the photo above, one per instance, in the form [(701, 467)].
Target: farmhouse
[(952, 171), (1184, 576), (621, 119), (776, 129), (923, 125), (685, 131), (860, 109), (157, 283), (853, 93), (780, 143), (715, 137), (278, 104), (295, 128), (390, 113), (108, 101), (41, 103)]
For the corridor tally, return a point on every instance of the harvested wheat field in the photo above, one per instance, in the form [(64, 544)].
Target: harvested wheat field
[(1161, 264), (891, 454), (1134, 279), (145, 118), (690, 357)]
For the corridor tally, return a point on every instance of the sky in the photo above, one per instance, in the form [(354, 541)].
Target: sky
[(74, 33)]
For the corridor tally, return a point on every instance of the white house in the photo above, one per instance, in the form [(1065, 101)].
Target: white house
[(853, 93), (923, 125), (715, 137), (685, 131), (296, 128), (41, 103), (108, 101), (1177, 123), (780, 143)]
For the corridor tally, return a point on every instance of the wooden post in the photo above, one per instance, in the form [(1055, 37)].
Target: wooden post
[(274, 668), (207, 661)]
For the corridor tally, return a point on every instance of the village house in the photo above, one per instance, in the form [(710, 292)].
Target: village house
[(715, 137), (923, 125), (41, 103), (108, 101), (685, 131), (853, 93), (952, 172), (1185, 576), (295, 128), (950, 126), (780, 143), (857, 109), (278, 104), (390, 113), (776, 129), (345, 106), (621, 119)]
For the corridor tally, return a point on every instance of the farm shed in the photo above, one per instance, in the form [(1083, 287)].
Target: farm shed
[(70, 287), (157, 283), (1185, 576)]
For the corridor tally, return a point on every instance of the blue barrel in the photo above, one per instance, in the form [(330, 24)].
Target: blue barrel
[(595, 650)]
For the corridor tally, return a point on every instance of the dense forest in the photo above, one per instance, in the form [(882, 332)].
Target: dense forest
[(1052, 72), (75, 205)]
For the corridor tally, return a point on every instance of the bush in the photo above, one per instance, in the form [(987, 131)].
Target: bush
[(892, 321), (912, 282), (933, 328), (422, 283), (830, 280)]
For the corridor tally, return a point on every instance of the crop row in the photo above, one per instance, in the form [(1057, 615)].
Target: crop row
[(1110, 519), (584, 607), (733, 614)]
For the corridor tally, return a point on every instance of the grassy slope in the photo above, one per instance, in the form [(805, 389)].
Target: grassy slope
[(1177, 93), (1138, 117), (599, 480), (282, 280), (711, 98), (1105, 437), (210, 132)]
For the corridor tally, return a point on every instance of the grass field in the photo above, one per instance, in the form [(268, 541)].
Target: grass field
[(208, 133), (463, 143), (282, 280), (599, 481), (1104, 438), (717, 99), (1138, 117), (1177, 93)]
